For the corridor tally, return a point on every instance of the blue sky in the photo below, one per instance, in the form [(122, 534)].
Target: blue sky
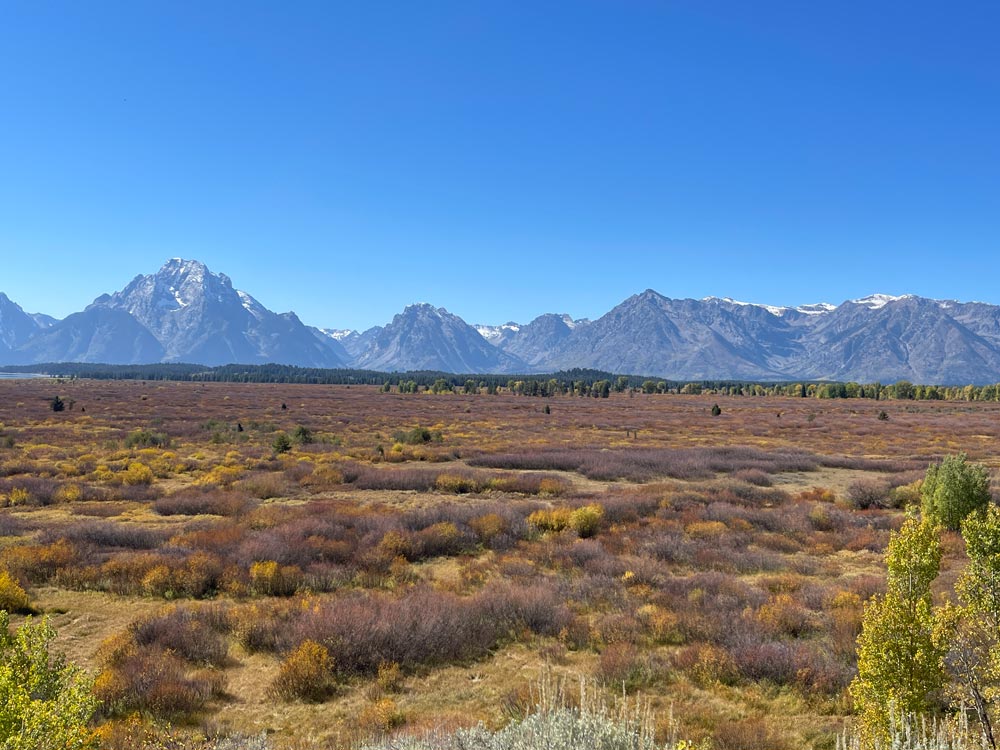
[(500, 159)]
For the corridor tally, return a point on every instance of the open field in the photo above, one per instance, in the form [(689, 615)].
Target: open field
[(418, 560)]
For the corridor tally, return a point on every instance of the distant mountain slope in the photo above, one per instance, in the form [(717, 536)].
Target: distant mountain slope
[(653, 335), (98, 334), (535, 342), (16, 326), (191, 315), (186, 313), (909, 338), (423, 337)]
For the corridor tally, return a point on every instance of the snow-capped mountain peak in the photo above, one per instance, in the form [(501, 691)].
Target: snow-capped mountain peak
[(338, 334), (494, 333), (816, 308), (877, 301)]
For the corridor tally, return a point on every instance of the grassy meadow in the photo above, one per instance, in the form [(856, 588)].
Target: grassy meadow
[(332, 564)]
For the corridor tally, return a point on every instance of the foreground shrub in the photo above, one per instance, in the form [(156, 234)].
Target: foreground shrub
[(953, 489), (306, 674), (155, 682), (45, 703), (422, 628)]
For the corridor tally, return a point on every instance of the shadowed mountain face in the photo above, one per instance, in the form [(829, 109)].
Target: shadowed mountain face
[(97, 334), (16, 326), (186, 313)]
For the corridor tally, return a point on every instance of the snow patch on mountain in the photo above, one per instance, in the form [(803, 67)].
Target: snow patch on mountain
[(338, 334), (878, 301)]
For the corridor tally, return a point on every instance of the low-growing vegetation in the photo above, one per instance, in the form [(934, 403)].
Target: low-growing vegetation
[(342, 566)]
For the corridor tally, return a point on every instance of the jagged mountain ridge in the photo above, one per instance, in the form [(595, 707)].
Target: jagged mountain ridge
[(184, 312), (16, 326), (424, 337)]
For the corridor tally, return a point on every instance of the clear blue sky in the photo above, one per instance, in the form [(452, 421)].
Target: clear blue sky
[(501, 159)]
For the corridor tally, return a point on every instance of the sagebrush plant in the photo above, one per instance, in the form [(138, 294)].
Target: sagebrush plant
[(561, 719)]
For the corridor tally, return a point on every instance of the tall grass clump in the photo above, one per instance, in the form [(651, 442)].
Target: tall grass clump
[(559, 721), (920, 733)]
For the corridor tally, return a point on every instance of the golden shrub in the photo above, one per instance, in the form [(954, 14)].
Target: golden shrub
[(706, 529), (68, 493), (222, 476), (306, 674), (18, 496), (586, 521), (488, 527), (13, 598), (380, 717), (555, 519), (137, 473), (551, 487)]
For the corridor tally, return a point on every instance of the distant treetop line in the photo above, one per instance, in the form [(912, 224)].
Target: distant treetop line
[(576, 382)]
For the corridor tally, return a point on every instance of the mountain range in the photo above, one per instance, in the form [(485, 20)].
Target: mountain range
[(186, 313)]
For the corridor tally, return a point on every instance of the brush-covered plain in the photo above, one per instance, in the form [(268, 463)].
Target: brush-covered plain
[(333, 564)]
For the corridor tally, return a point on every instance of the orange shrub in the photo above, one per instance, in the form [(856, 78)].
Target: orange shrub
[(488, 527)]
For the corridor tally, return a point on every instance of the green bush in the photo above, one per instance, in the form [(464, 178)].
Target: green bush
[(281, 443), (302, 435), (417, 436), (45, 703), (146, 439), (953, 489)]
